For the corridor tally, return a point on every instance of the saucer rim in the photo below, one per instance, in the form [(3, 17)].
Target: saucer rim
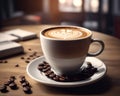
[(65, 84)]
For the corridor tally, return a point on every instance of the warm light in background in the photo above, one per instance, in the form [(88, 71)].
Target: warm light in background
[(70, 5), (94, 5), (62, 1), (77, 3)]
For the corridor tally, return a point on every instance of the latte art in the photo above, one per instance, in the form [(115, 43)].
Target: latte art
[(65, 33)]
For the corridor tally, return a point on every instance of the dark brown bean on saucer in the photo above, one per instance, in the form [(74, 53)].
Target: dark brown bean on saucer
[(61, 78), (56, 78), (52, 75), (40, 68), (47, 69), (48, 72), (44, 62)]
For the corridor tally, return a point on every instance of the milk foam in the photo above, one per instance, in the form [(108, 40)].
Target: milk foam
[(65, 34)]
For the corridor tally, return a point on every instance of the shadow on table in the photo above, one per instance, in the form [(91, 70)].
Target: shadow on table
[(99, 87)]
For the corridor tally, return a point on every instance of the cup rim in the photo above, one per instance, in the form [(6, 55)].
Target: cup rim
[(65, 26)]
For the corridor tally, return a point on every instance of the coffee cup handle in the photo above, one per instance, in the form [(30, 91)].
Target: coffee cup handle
[(102, 46)]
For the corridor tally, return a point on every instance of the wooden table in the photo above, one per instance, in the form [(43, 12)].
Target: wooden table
[(108, 86)]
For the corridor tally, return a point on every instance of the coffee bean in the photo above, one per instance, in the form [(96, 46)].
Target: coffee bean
[(30, 49), (48, 73), (22, 76), (28, 58), (22, 80), (45, 66), (56, 78), (52, 75), (27, 61), (13, 85), (44, 62), (40, 68), (61, 78), (47, 69), (5, 61), (26, 89), (17, 65), (22, 58), (11, 80), (3, 88), (24, 84), (31, 56)]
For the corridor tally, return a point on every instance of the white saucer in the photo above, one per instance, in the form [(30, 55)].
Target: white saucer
[(35, 74)]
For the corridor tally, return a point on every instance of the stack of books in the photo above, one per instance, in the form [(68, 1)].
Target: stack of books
[(9, 44)]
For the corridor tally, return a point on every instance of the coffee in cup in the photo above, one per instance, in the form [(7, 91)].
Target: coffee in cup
[(66, 47)]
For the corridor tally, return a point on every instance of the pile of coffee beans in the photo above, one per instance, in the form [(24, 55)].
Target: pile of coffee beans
[(11, 83), (25, 84), (85, 73)]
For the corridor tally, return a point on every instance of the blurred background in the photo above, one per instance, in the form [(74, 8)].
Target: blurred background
[(97, 15)]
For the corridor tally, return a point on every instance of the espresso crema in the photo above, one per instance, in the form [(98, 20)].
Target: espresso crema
[(66, 33)]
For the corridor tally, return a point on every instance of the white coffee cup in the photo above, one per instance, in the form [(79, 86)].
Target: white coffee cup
[(67, 53)]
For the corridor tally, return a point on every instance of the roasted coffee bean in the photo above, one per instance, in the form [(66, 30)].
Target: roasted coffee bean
[(44, 62), (3, 88), (11, 80), (5, 61), (28, 58), (27, 61), (26, 84), (17, 65), (46, 66), (22, 80), (89, 64), (47, 69), (22, 76), (48, 72), (22, 58), (52, 75), (61, 78), (31, 56), (40, 68), (56, 78), (30, 49), (13, 85), (26, 89)]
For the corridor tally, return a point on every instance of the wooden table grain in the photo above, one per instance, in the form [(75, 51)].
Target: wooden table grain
[(108, 86)]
